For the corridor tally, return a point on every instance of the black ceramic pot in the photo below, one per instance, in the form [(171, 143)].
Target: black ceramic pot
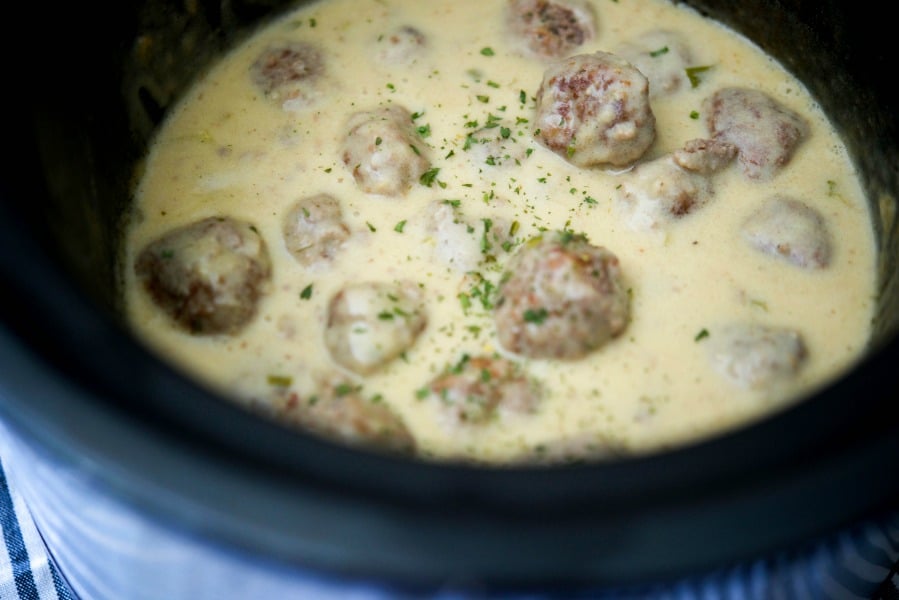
[(92, 416)]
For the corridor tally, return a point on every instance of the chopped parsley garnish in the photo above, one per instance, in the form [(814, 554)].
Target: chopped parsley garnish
[(535, 316), (694, 114), (428, 177), (344, 388), (659, 52), (694, 72), (279, 380), (703, 333), (400, 226), (487, 51), (307, 292)]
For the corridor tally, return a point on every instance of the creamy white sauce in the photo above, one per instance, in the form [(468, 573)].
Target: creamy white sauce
[(229, 150)]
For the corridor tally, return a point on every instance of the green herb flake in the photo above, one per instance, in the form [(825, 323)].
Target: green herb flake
[(428, 177), (307, 292), (378, 141), (371, 227), (400, 226), (703, 333), (487, 51), (422, 393), (694, 114), (279, 380), (522, 97), (483, 98), (535, 316), (343, 389), (385, 315), (424, 131), (661, 51), (693, 74), (465, 301)]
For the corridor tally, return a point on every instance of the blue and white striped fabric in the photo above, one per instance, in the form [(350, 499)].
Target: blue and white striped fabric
[(26, 571)]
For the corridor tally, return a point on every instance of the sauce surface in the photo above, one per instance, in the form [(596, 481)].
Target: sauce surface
[(234, 148)]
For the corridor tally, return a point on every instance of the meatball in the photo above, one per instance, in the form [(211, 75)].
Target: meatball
[(314, 230), (287, 73), (754, 356), (593, 109), (383, 150), (561, 297), (705, 156), (476, 389), (547, 29), (402, 46), (208, 275), (494, 147), (371, 323), (663, 56), (463, 243), (765, 132), (672, 186), (789, 229), (340, 413)]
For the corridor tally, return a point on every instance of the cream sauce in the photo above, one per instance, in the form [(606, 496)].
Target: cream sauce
[(229, 150)]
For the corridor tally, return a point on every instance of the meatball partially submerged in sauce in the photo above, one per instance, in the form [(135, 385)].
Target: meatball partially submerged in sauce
[(287, 73), (208, 275), (475, 389), (314, 230), (563, 298), (371, 323), (548, 29), (593, 110), (755, 356), (765, 132), (338, 411), (791, 230), (383, 151)]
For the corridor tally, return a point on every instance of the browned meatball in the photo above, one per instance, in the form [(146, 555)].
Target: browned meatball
[(314, 230), (208, 275), (476, 389), (384, 151), (672, 186), (549, 29), (371, 323), (791, 230), (287, 73), (663, 56), (765, 132), (339, 412), (593, 109), (754, 356), (561, 297), (402, 45), (705, 156)]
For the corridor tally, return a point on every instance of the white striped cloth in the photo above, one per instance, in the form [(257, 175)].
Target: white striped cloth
[(26, 570)]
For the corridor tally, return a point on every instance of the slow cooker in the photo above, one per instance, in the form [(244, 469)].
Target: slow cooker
[(146, 485)]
